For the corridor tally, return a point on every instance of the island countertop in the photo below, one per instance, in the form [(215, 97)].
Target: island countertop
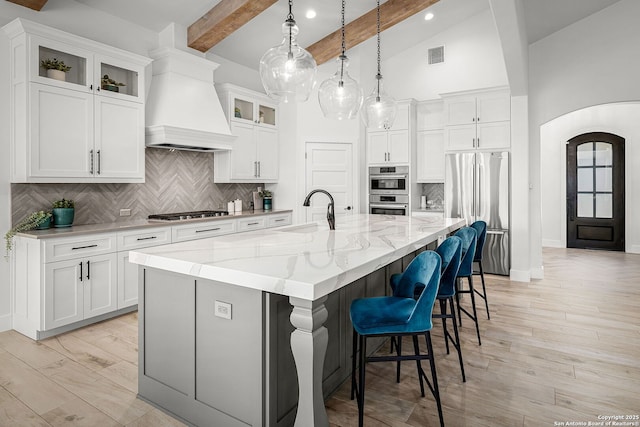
[(306, 261)]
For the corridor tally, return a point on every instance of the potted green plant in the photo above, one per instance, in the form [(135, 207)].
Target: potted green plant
[(110, 84), (55, 69), (267, 199), (35, 220), (63, 213)]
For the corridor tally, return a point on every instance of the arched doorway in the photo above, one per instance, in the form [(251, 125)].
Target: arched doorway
[(595, 191)]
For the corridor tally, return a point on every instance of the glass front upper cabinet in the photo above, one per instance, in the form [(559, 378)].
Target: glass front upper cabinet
[(250, 110), (61, 65)]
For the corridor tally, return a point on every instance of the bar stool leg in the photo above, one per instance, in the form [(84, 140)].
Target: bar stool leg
[(416, 348), (484, 290), (434, 377), (443, 313), (398, 353), (473, 306), (459, 347), (363, 361), (354, 355)]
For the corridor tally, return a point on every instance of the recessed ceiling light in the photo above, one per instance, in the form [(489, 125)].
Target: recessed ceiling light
[(428, 16), (311, 14)]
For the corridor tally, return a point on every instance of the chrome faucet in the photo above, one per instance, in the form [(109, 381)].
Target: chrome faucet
[(331, 218)]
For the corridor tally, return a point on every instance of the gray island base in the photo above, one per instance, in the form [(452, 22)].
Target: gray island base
[(254, 329)]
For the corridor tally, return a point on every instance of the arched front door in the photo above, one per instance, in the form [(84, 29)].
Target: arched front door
[(595, 191)]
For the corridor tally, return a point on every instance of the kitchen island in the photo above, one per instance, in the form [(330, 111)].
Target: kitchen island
[(214, 345)]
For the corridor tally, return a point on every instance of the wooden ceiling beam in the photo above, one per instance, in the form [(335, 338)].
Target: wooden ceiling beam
[(222, 20), (31, 4), (363, 28)]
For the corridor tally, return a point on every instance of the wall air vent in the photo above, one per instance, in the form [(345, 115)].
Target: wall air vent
[(436, 55)]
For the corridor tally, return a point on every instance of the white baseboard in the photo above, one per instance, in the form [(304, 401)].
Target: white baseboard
[(519, 275), (634, 249), (552, 243), (537, 273), (5, 323)]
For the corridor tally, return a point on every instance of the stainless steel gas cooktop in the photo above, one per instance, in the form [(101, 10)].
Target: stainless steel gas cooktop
[(181, 216)]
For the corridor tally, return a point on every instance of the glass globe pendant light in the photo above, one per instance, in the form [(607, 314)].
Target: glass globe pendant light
[(287, 71), (379, 109), (340, 96)]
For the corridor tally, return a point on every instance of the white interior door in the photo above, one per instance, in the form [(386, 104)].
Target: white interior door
[(329, 166)]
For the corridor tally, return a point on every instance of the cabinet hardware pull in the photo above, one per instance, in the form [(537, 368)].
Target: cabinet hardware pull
[(90, 87), (259, 169), (146, 238), (478, 142), (478, 119), (279, 220), (98, 88), (473, 119), (81, 272), (253, 223), (91, 157), (389, 156), (99, 165), (88, 271), (84, 247), (255, 169), (208, 229)]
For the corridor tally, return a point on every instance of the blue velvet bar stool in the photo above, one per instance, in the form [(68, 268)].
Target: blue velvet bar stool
[(469, 237), (398, 315), (481, 229), (451, 253)]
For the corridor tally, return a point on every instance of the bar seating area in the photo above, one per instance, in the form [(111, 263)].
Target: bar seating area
[(408, 312)]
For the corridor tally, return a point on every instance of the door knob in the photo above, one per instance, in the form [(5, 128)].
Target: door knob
[(348, 208)]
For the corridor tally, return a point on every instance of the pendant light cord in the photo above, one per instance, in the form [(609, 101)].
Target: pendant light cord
[(291, 23), (343, 57), (378, 76)]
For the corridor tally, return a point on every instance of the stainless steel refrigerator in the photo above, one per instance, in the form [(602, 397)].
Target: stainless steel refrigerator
[(476, 187)]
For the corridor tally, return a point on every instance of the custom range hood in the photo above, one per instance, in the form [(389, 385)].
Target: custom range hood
[(183, 111)]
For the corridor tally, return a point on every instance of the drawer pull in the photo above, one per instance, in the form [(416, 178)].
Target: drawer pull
[(147, 238), (84, 247), (253, 223), (88, 271), (280, 220), (208, 229), (81, 272)]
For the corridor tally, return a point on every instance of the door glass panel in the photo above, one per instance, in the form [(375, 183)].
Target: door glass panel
[(55, 60), (585, 205), (243, 109), (604, 154), (585, 154), (604, 206), (604, 179), (585, 179), (117, 79), (267, 115)]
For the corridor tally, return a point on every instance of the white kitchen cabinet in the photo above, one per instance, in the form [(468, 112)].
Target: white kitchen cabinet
[(430, 115), (202, 230), (430, 156), (253, 119), (79, 289), (277, 220), (77, 129), (478, 120), (128, 272), (393, 146)]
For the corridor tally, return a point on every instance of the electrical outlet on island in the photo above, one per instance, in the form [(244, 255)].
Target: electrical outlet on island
[(125, 212)]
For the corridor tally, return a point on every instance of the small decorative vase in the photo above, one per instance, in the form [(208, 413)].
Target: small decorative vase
[(63, 217), (112, 88), (266, 203), (56, 75), (44, 225)]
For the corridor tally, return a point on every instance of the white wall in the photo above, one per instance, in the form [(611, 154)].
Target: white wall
[(620, 119), (591, 62), (473, 60)]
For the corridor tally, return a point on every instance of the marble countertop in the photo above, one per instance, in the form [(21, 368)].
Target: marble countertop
[(306, 261), (78, 230)]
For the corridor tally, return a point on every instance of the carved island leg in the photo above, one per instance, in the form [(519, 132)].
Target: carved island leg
[(309, 346)]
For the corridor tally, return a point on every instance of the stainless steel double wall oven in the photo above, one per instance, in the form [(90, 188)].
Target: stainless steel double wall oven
[(389, 190)]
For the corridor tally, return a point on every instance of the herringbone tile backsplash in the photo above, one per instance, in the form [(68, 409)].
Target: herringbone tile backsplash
[(175, 182)]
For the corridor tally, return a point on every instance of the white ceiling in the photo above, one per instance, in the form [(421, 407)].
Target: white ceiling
[(246, 46)]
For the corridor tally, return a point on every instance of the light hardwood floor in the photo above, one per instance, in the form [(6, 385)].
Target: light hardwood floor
[(562, 349)]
